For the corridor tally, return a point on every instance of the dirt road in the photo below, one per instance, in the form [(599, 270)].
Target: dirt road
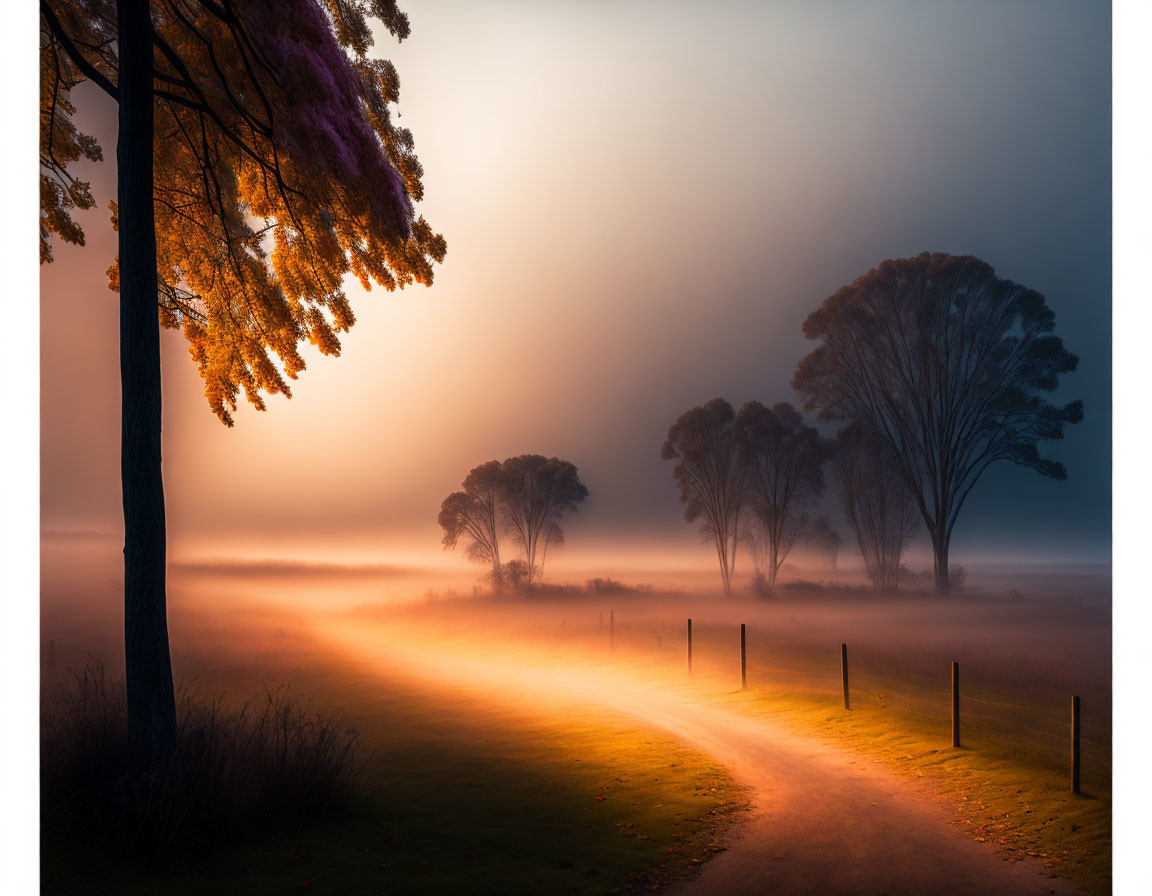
[(822, 820)]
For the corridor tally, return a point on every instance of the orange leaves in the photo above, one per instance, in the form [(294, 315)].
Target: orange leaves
[(278, 172)]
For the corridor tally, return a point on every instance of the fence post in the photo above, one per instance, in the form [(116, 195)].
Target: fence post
[(689, 645), (1075, 744), (611, 631), (743, 660), (844, 672), (955, 704)]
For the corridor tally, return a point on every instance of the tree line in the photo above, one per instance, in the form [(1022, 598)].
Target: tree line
[(936, 368), (523, 498)]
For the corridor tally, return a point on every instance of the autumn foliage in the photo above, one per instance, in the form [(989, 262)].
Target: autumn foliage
[(279, 171)]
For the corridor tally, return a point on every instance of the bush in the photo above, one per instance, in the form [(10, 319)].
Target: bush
[(759, 585), (233, 772), (611, 586), (510, 576)]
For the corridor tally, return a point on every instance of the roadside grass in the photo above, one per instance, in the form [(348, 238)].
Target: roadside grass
[(1008, 784), (456, 797), (999, 790)]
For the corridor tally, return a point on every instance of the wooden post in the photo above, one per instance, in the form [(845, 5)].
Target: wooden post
[(955, 704), (611, 631), (743, 660), (689, 645), (1075, 744), (844, 672), (51, 653)]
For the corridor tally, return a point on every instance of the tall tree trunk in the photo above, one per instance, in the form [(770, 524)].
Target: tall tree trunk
[(148, 664)]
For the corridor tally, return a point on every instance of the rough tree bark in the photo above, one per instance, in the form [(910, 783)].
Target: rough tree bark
[(148, 664)]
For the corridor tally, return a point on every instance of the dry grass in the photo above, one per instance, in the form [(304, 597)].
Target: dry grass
[(454, 795), (267, 763)]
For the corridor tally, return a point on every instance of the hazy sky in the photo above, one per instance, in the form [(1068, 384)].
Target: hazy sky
[(642, 202)]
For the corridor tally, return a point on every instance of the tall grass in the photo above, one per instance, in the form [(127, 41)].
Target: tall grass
[(233, 772)]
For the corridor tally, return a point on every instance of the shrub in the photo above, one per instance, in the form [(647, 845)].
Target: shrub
[(611, 586), (233, 771), (759, 585)]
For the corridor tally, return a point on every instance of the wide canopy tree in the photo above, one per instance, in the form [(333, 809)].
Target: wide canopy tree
[(710, 477), (945, 365), (258, 163)]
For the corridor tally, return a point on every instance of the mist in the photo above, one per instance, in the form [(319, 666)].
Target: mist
[(819, 140)]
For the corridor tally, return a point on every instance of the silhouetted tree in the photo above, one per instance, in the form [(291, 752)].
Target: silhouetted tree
[(536, 493), (514, 575), (942, 363), (711, 480), (475, 513), (878, 505), (257, 164), (824, 540), (782, 459)]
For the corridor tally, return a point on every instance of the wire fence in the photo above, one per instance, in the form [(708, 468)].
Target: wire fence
[(1037, 723)]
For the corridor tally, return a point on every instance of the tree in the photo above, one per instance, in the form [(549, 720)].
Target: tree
[(475, 512), (537, 491), (711, 480), (257, 164), (878, 505), (824, 540), (783, 461), (515, 575), (943, 364)]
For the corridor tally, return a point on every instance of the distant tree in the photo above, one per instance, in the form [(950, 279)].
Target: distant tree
[(515, 575), (824, 540), (942, 363), (756, 537), (536, 493), (783, 461), (710, 478), (257, 163), (878, 505), (475, 513)]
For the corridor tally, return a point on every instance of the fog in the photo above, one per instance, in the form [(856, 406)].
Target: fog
[(1026, 640), (583, 161)]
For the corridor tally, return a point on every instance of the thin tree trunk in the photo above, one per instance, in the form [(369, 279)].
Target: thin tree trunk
[(940, 554), (148, 665), (722, 553)]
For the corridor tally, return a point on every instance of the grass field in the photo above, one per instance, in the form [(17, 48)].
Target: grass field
[(455, 796), (1009, 782), (466, 794)]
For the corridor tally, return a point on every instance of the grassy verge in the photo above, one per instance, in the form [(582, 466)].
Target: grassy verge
[(997, 790), (457, 797)]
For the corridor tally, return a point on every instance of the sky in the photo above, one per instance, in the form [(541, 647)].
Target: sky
[(642, 203)]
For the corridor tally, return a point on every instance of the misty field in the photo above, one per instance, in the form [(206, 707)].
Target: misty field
[(516, 743), (452, 788), (1021, 660)]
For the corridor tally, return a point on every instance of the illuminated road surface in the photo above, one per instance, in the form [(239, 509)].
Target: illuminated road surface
[(823, 821)]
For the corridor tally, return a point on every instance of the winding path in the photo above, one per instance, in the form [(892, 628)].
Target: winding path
[(822, 820)]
